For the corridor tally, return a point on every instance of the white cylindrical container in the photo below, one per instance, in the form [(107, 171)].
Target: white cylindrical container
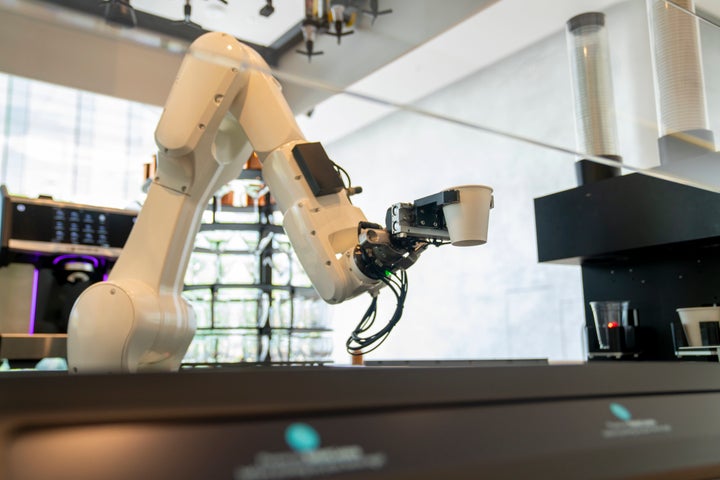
[(679, 81), (592, 84)]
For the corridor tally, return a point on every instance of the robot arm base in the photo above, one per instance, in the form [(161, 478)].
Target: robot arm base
[(122, 326)]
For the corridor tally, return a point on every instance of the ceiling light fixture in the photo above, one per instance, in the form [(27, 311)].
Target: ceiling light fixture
[(330, 17), (120, 12), (187, 12), (268, 9), (309, 31), (337, 16), (375, 11)]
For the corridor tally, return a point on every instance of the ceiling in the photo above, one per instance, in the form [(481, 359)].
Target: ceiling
[(373, 45), (240, 18), (497, 31), (423, 46)]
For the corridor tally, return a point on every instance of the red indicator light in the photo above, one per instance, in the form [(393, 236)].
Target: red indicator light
[(613, 325)]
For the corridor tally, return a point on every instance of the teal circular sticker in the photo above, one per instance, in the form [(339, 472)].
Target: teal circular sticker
[(301, 437), (620, 412)]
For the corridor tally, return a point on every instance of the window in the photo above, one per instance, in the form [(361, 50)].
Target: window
[(74, 145)]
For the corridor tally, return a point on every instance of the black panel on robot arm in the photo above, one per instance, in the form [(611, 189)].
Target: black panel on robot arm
[(318, 169)]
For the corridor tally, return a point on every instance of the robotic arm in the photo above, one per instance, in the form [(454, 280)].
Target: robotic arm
[(223, 106)]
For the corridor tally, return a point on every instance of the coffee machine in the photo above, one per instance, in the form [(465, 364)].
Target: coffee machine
[(50, 252)]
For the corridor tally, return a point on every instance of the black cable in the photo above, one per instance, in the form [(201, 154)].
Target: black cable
[(380, 337), (357, 344), (344, 172), (368, 319)]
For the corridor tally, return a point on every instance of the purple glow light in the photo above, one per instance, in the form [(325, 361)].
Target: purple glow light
[(33, 301), (94, 260)]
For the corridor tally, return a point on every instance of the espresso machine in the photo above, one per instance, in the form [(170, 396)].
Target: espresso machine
[(50, 252), (649, 247)]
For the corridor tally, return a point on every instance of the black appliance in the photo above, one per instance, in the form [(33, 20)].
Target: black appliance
[(70, 246), (653, 242)]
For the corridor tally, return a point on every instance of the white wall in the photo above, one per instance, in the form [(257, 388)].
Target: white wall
[(495, 301)]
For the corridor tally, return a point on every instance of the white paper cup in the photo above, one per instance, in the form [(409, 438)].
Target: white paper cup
[(467, 220), (691, 318)]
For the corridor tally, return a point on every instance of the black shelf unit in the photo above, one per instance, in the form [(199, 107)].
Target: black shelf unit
[(262, 327), (651, 241)]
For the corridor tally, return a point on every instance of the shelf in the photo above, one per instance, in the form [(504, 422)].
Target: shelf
[(627, 216), (234, 330), (264, 287), (709, 351), (228, 252), (247, 227), (613, 355), (21, 346), (319, 363), (214, 344), (239, 252), (231, 209), (250, 174)]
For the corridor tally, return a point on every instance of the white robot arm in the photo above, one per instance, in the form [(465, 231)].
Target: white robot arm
[(223, 106)]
